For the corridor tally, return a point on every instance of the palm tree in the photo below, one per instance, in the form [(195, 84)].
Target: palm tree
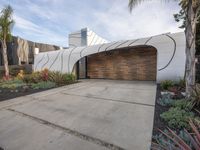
[(6, 23), (191, 9)]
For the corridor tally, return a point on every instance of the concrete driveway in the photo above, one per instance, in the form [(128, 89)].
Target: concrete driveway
[(90, 115)]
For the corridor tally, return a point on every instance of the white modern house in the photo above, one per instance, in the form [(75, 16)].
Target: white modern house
[(155, 58)]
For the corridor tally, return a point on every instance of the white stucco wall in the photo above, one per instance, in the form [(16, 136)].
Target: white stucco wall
[(170, 55)]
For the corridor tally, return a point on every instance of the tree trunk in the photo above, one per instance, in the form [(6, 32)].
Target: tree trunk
[(190, 32), (5, 57)]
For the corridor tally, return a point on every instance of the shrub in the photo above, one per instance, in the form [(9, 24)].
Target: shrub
[(56, 77), (183, 104), (60, 78), (35, 77), (12, 84), (165, 85), (45, 74), (177, 117), (70, 77), (13, 72), (166, 100), (43, 85)]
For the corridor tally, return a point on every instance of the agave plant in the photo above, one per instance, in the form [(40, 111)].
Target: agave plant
[(172, 141)]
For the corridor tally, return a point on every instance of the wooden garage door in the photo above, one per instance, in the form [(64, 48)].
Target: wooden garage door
[(125, 64)]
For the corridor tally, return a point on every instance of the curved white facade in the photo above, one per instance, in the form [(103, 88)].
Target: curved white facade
[(170, 55)]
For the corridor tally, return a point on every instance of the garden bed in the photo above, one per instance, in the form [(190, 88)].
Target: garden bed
[(24, 84), (173, 112)]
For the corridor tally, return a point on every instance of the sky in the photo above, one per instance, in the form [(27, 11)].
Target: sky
[(50, 21)]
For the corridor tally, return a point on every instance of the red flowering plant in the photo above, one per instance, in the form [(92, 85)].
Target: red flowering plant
[(45, 74)]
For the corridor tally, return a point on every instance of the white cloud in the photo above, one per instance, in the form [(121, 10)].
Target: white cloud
[(148, 19), (26, 24), (29, 29), (50, 21)]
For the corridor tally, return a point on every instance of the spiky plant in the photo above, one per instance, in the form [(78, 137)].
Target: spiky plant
[(191, 140)]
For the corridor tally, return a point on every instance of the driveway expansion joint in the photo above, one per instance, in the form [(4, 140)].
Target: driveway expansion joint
[(69, 131), (107, 99)]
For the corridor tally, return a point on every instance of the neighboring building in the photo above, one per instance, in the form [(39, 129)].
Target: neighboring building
[(21, 51), (155, 58), (85, 37)]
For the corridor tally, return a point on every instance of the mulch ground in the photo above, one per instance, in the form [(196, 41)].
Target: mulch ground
[(7, 94), (158, 122)]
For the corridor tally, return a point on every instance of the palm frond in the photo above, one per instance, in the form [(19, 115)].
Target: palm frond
[(6, 22), (133, 3)]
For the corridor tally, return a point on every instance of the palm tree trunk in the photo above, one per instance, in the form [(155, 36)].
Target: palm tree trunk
[(190, 32), (5, 57)]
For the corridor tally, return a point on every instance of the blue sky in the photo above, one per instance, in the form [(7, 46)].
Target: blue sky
[(50, 21)]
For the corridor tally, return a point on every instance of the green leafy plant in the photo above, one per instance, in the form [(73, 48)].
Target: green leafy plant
[(165, 85), (183, 104), (166, 100), (13, 72), (35, 77), (12, 84), (43, 85), (70, 77), (181, 83), (177, 117), (56, 77), (60, 78)]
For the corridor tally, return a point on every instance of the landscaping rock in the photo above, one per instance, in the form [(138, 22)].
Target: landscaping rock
[(183, 93), (167, 92)]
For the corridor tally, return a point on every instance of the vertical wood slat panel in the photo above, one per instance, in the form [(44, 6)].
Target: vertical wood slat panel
[(124, 64)]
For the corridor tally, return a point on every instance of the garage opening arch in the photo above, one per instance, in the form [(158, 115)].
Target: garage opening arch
[(129, 63)]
